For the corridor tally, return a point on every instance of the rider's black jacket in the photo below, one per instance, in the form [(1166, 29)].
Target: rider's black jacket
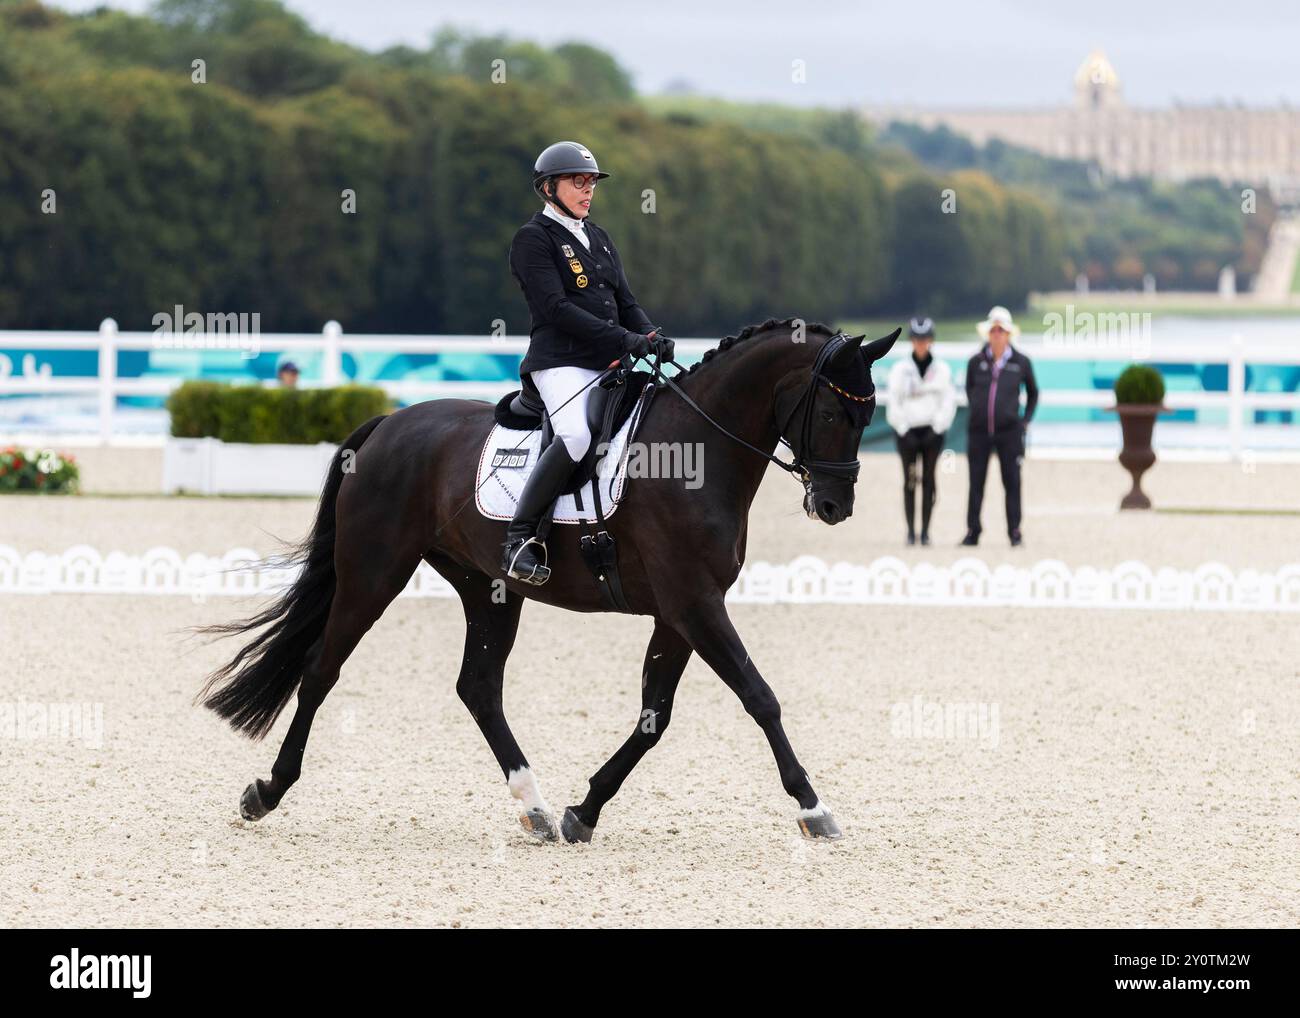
[(580, 304)]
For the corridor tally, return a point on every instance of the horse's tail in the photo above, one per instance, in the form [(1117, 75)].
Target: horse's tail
[(253, 688)]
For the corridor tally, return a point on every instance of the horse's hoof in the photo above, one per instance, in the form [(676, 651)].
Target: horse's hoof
[(251, 806), (540, 824), (575, 830), (821, 825)]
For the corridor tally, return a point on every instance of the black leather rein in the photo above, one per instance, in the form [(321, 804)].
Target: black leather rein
[(800, 465)]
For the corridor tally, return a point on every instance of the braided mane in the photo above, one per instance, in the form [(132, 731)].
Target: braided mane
[(750, 330)]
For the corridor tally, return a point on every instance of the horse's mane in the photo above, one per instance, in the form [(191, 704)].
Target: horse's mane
[(751, 330)]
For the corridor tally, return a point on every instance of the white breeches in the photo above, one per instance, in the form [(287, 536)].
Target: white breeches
[(568, 419)]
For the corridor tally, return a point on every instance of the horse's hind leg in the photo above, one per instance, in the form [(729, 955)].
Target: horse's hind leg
[(491, 621), (665, 660), (369, 577)]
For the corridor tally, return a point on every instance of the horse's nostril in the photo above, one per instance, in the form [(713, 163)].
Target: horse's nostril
[(829, 511)]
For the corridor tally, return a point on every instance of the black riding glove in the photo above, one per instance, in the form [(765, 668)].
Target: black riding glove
[(663, 346), (637, 345)]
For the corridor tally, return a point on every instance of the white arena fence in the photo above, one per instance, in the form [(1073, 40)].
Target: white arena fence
[(332, 343), (806, 580)]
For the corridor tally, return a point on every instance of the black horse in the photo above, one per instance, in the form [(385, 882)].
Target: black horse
[(393, 497)]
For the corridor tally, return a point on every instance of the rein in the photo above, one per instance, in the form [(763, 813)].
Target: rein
[(799, 465)]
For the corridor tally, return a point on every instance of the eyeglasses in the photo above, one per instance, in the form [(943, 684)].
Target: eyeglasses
[(581, 180)]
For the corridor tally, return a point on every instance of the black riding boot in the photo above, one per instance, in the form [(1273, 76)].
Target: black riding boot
[(909, 500), (525, 556)]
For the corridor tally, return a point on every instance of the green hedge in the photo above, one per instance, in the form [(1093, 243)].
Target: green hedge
[(251, 413), (1139, 383)]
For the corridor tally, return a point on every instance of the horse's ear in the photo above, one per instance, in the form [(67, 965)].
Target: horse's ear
[(848, 349), (876, 349)]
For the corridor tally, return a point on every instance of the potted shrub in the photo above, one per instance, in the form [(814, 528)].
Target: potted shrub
[(1139, 397)]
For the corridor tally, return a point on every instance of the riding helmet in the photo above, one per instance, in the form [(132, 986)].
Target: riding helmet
[(561, 159), (921, 327)]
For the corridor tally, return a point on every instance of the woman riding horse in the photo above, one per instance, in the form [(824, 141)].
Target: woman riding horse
[(583, 317), (403, 499), (396, 494)]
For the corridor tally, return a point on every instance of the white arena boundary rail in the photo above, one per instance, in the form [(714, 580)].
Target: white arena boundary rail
[(332, 343), (967, 582)]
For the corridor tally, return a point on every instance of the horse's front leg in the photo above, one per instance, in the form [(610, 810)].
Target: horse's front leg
[(665, 660), (708, 629)]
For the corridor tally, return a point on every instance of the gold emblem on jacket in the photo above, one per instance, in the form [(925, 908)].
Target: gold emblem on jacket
[(581, 280), (576, 266)]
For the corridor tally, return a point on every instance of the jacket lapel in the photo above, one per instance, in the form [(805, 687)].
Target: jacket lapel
[(601, 252), (588, 257)]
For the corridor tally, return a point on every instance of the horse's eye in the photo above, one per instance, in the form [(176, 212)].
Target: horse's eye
[(828, 417)]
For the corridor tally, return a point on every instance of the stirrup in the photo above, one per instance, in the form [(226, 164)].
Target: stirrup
[(539, 574)]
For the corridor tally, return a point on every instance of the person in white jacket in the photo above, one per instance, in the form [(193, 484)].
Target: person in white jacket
[(922, 404)]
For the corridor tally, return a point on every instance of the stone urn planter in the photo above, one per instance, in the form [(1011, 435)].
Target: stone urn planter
[(1139, 398), (1137, 422)]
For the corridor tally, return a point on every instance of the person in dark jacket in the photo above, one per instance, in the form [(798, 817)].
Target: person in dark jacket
[(993, 380), (583, 318)]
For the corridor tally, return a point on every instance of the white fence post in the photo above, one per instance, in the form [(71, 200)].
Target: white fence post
[(107, 378), (331, 368), (1236, 394)]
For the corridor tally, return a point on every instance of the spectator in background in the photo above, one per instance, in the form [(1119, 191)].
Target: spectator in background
[(287, 376), (921, 407), (993, 380)]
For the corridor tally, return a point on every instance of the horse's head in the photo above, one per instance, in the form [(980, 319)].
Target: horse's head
[(822, 413)]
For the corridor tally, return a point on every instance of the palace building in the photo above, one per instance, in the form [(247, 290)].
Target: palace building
[(1258, 147)]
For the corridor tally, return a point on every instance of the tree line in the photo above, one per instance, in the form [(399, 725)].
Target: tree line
[(1118, 231), (221, 155)]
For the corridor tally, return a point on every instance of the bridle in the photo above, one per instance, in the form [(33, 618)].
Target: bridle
[(800, 464), (843, 469)]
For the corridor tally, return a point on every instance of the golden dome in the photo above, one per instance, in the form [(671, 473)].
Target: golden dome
[(1096, 70)]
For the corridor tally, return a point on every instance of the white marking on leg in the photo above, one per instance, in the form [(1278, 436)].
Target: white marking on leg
[(523, 786), (818, 810)]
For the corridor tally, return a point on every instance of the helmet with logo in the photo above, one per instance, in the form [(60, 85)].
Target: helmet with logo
[(560, 160), (921, 327)]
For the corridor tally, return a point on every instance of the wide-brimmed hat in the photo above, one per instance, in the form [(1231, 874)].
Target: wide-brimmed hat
[(998, 315)]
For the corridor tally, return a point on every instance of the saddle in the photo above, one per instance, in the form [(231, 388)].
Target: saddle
[(608, 407)]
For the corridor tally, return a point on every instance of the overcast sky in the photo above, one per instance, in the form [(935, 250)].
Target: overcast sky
[(972, 52)]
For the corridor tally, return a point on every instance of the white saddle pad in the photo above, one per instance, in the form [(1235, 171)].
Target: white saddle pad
[(508, 458)]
